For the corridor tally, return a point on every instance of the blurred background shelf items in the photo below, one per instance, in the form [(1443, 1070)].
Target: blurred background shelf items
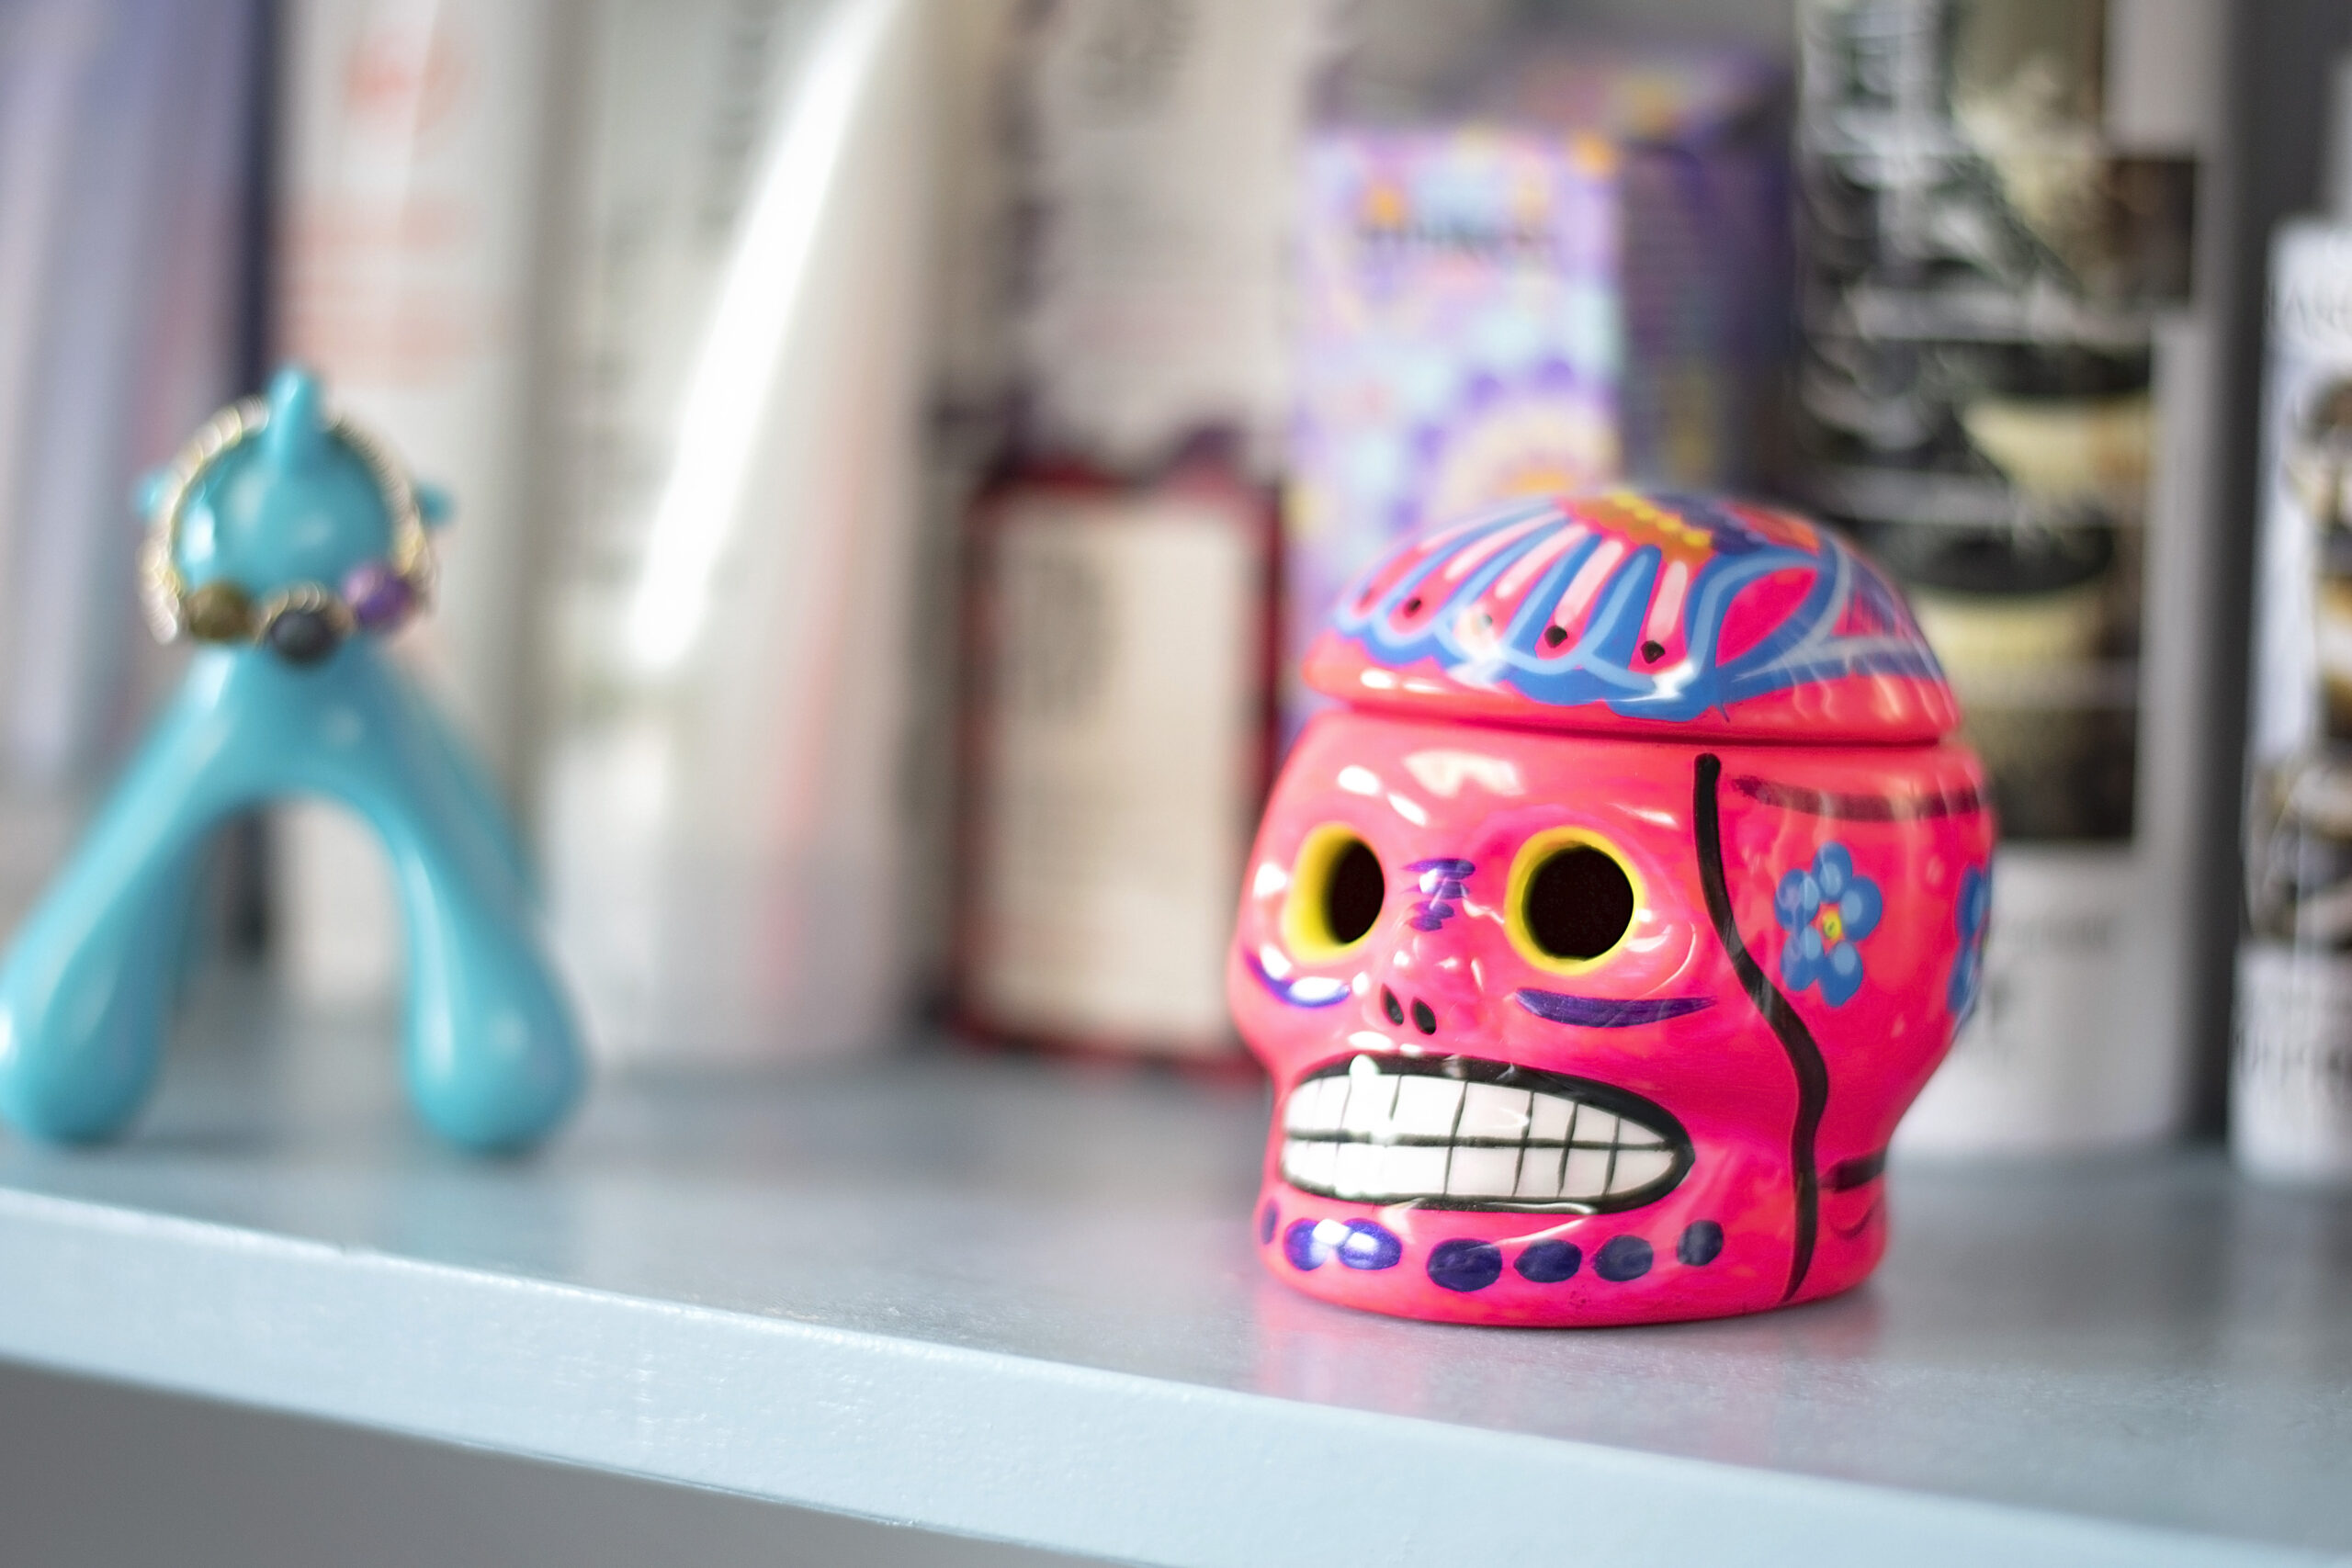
[(2006, 392), (416, 148), (1115, 746), (668, 360), (770, 347), (1573, 275), (2290, 1086), (899, 447), (1118, 561), (133, 278), (731, 632)]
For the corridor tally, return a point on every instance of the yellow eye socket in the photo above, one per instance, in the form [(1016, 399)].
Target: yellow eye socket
[(1335, 892), (1571, 901)]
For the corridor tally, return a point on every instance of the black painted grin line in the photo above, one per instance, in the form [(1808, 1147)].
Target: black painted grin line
[(1623, 1103)]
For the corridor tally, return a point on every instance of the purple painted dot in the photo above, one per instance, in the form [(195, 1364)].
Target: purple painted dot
[(378, 595), (1268, 1216), (1702, 1243), (1367, 1246), (1623, 1258), (1357, 1244), (1549, 1262), (1466, 1264)]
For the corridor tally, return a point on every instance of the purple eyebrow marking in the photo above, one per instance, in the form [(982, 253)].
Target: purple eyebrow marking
[(1443, 885), (1607, 1012)]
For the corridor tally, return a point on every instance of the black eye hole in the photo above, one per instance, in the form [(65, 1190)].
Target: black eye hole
[(1579, 903), (1353, 893)]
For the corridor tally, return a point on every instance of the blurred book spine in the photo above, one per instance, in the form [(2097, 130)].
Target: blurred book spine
[(2290, 1086), (2005, 392), (725, 801), (1119, 569), (417, 171), (1577, 280), (129, 161)]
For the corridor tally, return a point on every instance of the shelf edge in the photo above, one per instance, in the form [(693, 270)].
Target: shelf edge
[(974, 1443)]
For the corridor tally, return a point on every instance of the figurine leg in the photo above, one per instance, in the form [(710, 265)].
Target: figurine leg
[(477, 791), (88, 981), (490, 1053)]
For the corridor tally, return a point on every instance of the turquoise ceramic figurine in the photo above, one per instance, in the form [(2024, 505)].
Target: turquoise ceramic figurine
[(282, 539)]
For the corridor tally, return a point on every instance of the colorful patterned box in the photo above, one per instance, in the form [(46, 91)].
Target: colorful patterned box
[(1487, 312)]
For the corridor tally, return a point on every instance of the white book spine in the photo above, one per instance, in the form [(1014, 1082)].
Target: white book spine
[(2084, 1038), (415, 160), (725, 816), (2291, 1085)]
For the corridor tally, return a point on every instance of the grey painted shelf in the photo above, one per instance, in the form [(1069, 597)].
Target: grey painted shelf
[(1016, 1299)]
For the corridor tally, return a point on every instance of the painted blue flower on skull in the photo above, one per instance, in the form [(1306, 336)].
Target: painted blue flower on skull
[(1827, 909), (1971, 914)]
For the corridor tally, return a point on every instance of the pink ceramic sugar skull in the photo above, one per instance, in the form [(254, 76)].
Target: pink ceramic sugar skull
[(1597, 944)]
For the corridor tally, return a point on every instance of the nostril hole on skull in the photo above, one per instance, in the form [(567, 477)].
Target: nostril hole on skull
[(1423, 1018), (1579, 903), (1391, 1006)]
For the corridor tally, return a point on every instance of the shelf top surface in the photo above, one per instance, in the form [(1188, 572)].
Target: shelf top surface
[(2142, 1340)]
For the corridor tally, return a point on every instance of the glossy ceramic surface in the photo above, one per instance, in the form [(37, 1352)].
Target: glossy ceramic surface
[(1623, 612), (1620, 1028), (490, 1053)]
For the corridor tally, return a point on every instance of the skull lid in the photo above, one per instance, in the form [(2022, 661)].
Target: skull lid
[(1629, 613)]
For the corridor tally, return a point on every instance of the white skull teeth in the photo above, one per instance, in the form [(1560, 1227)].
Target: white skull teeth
[(1459, 1133)]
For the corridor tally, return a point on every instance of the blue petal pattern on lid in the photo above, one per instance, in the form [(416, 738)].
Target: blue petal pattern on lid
[(1648, 607)]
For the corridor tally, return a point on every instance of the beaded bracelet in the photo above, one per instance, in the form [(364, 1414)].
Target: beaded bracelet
[(303, 622)]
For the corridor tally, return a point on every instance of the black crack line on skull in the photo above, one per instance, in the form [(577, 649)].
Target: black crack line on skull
[(1796, 1040)]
